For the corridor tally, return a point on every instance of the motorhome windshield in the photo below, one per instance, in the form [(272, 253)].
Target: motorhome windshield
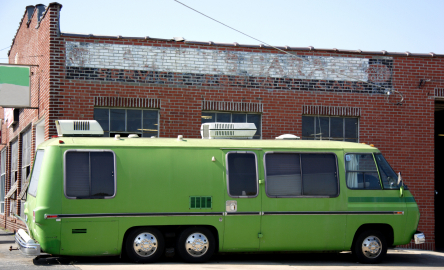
[(388, 176), (36, 173)]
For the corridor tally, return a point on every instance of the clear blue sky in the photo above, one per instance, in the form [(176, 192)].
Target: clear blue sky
[(391, 25)]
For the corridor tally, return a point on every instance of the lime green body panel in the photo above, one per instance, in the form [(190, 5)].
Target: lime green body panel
[(412, 218), (47, 200), (160, 175)]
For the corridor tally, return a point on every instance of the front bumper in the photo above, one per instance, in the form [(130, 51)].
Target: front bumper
[(26, 244), (419, 238)]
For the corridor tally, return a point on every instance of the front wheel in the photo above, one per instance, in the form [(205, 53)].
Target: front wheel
[(370, 247), (196, 244), (144, 245)]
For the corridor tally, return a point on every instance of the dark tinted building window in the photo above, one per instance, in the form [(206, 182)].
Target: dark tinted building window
[(89, 175), (242, 174), (330, 128), (144, 123)]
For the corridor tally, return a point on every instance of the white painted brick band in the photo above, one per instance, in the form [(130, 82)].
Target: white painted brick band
[(202, 61)]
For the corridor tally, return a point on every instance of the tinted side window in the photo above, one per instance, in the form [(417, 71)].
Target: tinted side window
[(293, 174), (319, 174), (89, 174), (242, 174), (283, 175)]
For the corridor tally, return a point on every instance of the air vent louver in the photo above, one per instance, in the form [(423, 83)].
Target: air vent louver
[(81, 125), (197, 202)]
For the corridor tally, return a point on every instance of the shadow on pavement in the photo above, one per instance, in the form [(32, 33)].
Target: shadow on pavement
[(394, 258)]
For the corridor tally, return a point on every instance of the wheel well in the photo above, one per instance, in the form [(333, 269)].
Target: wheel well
[(171, 233), (385, 229)]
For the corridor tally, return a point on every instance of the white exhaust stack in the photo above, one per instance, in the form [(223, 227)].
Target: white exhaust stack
[(228, 130)]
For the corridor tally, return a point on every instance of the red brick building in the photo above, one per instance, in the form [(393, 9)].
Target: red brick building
[(161, 87)]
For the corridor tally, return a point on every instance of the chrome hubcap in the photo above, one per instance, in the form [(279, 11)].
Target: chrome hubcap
[(371, 246), (197, 244), (145, 244)]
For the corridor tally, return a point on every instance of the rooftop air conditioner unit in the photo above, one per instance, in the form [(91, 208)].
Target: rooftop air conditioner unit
[(73, 128), (228, 130)]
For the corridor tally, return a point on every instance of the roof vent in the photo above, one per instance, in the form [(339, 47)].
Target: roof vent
[(228, 130), (288, 137), (72, 128)]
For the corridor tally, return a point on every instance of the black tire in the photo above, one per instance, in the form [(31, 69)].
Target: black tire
[(144, 245), (370, 247), (196, 244)]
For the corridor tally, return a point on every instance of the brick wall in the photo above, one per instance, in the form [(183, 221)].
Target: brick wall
[(103, 67), (30, 47), (76, 73)]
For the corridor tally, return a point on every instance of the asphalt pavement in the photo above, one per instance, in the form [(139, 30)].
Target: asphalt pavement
[(402, 259)]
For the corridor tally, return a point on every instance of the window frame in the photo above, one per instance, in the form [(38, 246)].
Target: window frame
[(14, 170), (315, 137), (228, 175), (26, 138), (89, 150), (231, 119), (3, 182), (376, 166), (302, 180), (126, 120)]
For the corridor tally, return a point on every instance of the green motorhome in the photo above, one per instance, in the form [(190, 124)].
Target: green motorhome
[(96, 196)]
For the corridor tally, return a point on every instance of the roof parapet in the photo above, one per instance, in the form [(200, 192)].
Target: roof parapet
[(40, 9), (30, 11), (262, 46)]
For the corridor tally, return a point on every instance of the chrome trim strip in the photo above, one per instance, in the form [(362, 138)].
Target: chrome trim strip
[(333, 213), (243, 213), (193, 214), (99, 215)]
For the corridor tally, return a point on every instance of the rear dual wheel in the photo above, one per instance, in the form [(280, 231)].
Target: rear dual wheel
[(144, 245), (196, 244)]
